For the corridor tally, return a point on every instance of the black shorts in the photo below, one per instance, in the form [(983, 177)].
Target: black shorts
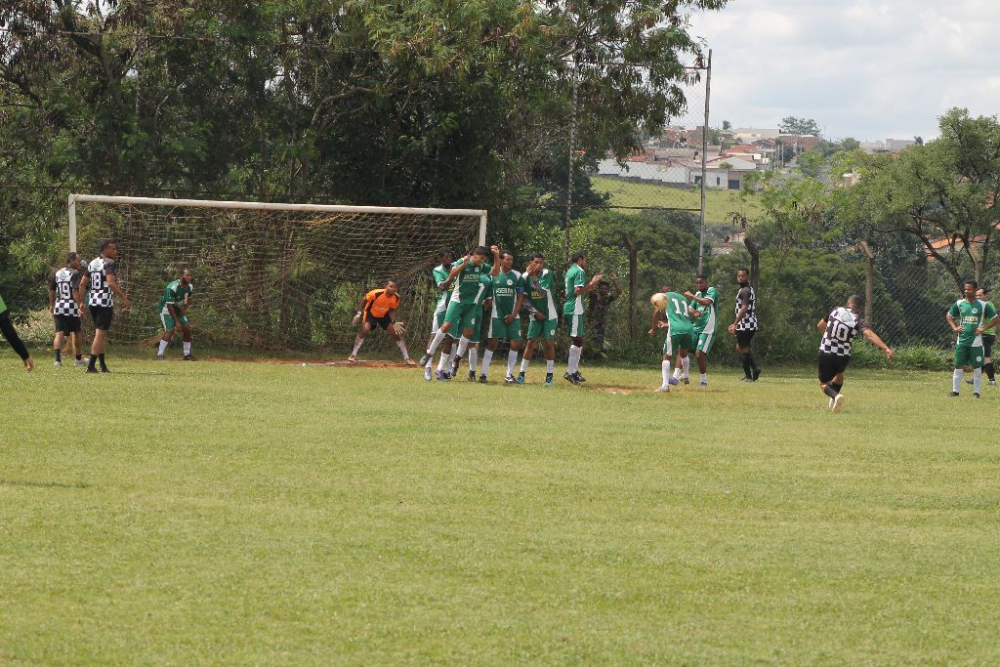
[(383, 321), (830, 366), (988, 341), (102, 316), (744, 336), (67, 324)]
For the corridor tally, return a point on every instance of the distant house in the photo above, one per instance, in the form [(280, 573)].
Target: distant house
[(748, 135), (730, 243), (727, 172)]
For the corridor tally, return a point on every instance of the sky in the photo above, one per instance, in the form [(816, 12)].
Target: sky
[(866, 69)]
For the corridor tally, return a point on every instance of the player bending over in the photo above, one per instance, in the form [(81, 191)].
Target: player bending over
[(538, 283), (576, 287), (66, 306), (442, 281), (102, 281), (10, 333), (970, 318), (505, 317), (679, 334), (704, 318), (839, 329), (173, 305), (378, 308)]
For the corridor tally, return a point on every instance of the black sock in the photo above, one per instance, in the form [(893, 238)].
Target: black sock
[(79, 357), (837, 387), (101, 358), (989, 371), (745, 359), (753, 365), (93, 360), (58, 354), (830, 391)]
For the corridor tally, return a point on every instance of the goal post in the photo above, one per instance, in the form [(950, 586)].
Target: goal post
[(270, 275)]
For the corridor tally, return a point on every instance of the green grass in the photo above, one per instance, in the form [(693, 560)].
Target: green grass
[(719, 203), (262, 514)]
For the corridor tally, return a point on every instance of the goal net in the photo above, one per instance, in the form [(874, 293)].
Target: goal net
[(270, 276)]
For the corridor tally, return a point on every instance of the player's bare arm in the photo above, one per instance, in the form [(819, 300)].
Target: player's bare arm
[(700, 300), (518, 304), (739, 317), (988, 325), (952, 324), (113, 284), (875, 340), (495, 250), (821, 325)]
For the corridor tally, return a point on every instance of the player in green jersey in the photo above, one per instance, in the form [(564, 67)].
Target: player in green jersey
[(705, 302), (538, 284), (461, 314), (969, 318), (10, 333), (173, 308), (442, 282), (677, 321), (576, 287), (505, 318), (485, 306)]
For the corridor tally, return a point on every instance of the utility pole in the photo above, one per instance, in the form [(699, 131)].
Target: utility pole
[(704, 161)]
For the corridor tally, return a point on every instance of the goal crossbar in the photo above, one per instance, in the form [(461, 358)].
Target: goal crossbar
[(268, 206)]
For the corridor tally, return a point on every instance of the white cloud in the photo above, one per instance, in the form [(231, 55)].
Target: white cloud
[(868, 69)]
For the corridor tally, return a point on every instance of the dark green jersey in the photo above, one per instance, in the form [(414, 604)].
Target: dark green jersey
[(706, 323), (175, 294), (539, 291), (575, 277), (677, 314), (467, 283), (971, 316), (506, 287), (487, 289)]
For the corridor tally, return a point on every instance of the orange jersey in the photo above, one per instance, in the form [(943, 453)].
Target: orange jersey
[(378, 303)]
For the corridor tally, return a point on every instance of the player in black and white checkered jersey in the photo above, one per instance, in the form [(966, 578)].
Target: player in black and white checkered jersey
[(66, 304), (102, 280), (839, 329), (744, 327)]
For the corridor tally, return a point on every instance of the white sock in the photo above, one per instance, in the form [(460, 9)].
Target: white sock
[(677, 372), (463, 345), (511, 362), (573, 365), (704, 377), (524, 364), (487, 360), (473, 358), (686, 362), (357, 346), (163, 347), (956, 380), (977, 380), (187, 348), (438, 337), (666, 373), (402, 348), (445, 356), (550, 365)]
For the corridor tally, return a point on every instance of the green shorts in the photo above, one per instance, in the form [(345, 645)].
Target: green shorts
[(674, 343), (503, 331), (462, 316), (966, 355), (438, 320), (168, 322), (477, 329), (705, 341), (546, 329), (574, 326)]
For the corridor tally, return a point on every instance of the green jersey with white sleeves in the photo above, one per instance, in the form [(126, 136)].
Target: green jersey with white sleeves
[(706, 323), (971, 316), (467, 283), (440, 274), (175, 293), (539, 291), (506, 287)]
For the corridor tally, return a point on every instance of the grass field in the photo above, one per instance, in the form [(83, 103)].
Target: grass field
[(718, 203), (264, 514)]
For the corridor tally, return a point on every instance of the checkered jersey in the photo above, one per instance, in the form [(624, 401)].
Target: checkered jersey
[(747, 295), (64, 284), (100, 292), (842, 326)]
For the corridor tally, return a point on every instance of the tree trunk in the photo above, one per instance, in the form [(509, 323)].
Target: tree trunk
[(869, 280), (754, 260), (633, 287)]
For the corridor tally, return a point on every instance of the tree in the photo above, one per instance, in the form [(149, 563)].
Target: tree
[(726, 126), (799, 126)]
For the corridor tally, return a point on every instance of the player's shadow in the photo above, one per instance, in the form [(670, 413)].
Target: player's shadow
[(43, 485)]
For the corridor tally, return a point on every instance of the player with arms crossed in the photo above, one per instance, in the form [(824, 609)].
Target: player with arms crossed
[(66, 306), (505, 318), (102, 281), (839, 329), (10, 333), (538, 283), (576, 287), (442, 281), (173, 306), (969, 318), (745, 326), (704, 301), (680, 332), (378, 308)]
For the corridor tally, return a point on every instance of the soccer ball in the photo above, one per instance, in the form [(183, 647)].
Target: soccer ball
[(659, 301)]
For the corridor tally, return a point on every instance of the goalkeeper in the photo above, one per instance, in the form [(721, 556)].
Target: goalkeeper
[(378, 308)]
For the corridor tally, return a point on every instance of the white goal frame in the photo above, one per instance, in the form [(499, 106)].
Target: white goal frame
[(268, 206)]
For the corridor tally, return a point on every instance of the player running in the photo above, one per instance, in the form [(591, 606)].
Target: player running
[(680, 333), (538, 283), (173, 307), (839, 329), (970, 318), (442, 281), (745, 326), (705, 302), (102, 281), (505, 318), (66, 305), (576, 287), (378, 308), (10, 333)]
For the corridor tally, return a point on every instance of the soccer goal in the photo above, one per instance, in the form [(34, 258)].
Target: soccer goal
[(269, 276)]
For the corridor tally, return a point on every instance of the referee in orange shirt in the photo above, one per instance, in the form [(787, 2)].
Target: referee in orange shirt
[(378, 308)]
